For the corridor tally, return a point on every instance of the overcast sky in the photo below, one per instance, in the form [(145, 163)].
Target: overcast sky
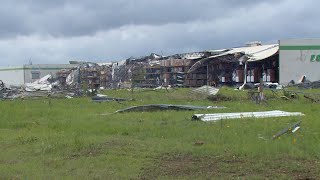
[(106, 30)]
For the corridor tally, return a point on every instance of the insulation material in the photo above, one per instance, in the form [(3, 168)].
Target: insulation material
[(42, 84), (239, 115), (44, 80), (206, 90)]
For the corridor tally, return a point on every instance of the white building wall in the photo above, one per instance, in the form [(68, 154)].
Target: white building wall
[(12, 75), (299, 57), (43, 70)]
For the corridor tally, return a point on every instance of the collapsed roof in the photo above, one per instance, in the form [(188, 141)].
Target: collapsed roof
[(249, 54)]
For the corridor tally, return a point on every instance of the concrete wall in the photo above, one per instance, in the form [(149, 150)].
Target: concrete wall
[(44, 69), (299, 57), (12, 75)]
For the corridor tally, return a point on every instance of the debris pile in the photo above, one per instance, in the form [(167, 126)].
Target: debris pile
[(8, 93), (305, 83), (42, 84), (3, 89), (308, 85)]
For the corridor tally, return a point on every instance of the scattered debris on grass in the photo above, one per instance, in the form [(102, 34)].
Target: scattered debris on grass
[(312, 98), (219, 97), (108, 99), (292, 128), (257, 97), (289, 94), (199, 143), (167, 88), (238, 115), (156, 107)]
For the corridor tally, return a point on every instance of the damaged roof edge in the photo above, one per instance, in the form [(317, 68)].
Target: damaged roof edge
[(254, 53)]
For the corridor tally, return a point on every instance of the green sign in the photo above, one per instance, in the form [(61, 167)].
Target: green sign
[(315, 58)]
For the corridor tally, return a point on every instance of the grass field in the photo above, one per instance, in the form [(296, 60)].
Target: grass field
[(70, 139)]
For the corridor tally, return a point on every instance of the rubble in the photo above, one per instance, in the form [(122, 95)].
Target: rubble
[(42, 84), (308, 85), (2, 89), (7, 93)]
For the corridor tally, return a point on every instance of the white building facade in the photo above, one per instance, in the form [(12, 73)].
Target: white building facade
[(19, 75), (298, 58)]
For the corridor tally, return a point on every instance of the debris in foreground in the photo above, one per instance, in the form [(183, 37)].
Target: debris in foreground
[(238, 115), (156, 107), (293, 128), (108, 99)]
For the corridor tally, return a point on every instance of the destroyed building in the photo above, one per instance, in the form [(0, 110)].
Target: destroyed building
[(233, 67), (87, 75), (241, 65), (19, 75)]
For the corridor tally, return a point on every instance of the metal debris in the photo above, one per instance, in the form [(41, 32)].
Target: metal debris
[(239, 115), (156, 107), (315, 98), (42, 84), (7, 93), (293, 128), (306, 84), (108, 99)]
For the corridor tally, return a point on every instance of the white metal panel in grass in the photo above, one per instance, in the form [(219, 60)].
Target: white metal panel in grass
[(238, 115)]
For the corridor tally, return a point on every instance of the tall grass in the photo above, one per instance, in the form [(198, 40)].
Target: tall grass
[(49, 138)]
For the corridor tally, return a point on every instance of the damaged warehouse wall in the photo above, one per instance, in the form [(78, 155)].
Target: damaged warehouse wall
[(18, 76), (12, 76), (241, 65), (172, 70), (299, 57), (37, 71), (213, 67)]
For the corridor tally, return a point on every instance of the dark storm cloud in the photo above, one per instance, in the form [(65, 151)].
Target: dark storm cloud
[(59, 31), (82, 17)]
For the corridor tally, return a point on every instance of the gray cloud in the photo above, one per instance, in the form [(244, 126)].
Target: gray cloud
[(81, 17), (58, 31)]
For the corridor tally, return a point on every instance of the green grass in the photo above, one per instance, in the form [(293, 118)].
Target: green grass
[(70, 139)]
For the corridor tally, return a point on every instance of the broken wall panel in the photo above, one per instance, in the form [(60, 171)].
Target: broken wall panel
[(239, 115)]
